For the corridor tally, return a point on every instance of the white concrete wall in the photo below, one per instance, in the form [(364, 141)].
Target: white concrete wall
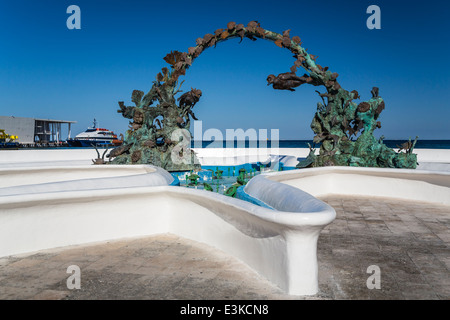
[(47, 157), (56, 206), (18, 126), (237, 156), (29, 180), (279, 245), (415, 185), (433, 155), (33, 175), (100, 205), (207, 156)]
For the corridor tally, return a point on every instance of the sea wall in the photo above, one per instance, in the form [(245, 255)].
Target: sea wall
[(427, 158)]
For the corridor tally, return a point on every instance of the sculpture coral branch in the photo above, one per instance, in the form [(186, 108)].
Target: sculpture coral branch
[(336, 123)]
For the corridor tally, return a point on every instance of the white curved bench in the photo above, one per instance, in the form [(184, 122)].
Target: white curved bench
[(279, 244), (406, 184), (29, 180)]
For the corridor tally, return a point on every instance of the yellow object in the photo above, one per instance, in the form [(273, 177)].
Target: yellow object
[(4, 136)]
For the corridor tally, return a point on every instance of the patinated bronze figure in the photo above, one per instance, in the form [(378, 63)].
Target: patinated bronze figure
[(343, 128)]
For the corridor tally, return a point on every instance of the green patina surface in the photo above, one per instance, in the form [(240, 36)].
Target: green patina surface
[(159, 130)]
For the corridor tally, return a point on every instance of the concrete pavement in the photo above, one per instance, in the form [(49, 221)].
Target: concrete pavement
[(408, 241)]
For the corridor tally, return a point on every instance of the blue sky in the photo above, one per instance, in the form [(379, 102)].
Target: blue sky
[(49, 71)]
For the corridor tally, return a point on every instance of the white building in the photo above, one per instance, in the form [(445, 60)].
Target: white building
[(30, 130)]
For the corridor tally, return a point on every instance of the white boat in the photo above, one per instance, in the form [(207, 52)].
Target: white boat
[(94, 136)]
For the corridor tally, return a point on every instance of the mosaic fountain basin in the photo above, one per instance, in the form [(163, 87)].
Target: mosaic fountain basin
[(279, 242), (62, 207)]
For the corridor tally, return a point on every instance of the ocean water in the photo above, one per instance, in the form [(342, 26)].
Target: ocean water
[(421, 144)]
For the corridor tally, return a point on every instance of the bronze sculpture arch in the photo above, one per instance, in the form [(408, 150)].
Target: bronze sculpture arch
[(343, 128)]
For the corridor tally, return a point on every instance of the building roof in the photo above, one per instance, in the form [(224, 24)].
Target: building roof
[(51, 120), (39, 119)]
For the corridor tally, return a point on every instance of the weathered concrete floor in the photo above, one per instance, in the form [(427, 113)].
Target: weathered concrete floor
[(409, 242)]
